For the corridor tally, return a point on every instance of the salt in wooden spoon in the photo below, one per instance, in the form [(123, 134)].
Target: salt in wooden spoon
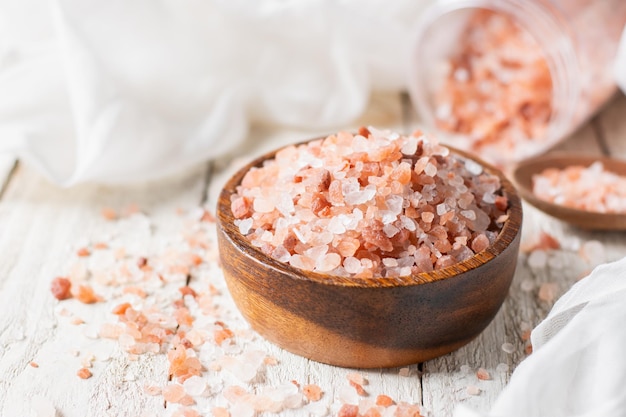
[(522, 177)]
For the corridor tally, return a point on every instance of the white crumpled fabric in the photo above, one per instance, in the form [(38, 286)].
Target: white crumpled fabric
[(578, 364), (118, 90)]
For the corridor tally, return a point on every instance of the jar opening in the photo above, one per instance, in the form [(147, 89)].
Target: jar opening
[(442, 35)]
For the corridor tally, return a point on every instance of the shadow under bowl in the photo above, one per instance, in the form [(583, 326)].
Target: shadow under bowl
[(368, 322)]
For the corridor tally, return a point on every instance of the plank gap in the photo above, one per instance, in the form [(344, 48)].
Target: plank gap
[(208, 173), (420, 373), (598, 131), (5, 184)]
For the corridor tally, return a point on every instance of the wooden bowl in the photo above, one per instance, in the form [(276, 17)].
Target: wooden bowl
[(522, 176), (367, 323)]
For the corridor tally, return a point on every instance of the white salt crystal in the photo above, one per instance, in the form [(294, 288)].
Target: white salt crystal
[(395, 203), (390, 262), (430, 170), (284, 204), (352, 265), (263, 205), (461, 75), (489, 198), (281, 254), (242, 409), (593, 252), (538, 259), (336, 225), (347, 395), (387, 216), (360, 197), (469, 214), (328, 262), (410, 146), (316, 408), (195, 385), (527, 285), (508, 347), (316, 252), (441, 209), (408, 223), (502, 367), (473, 167), (245, 226), (390, 230)]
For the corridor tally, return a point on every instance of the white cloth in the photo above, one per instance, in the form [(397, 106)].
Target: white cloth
[(578, 364), (118, 90)]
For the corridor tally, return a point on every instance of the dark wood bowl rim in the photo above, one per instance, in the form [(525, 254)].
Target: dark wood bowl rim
[(507, 234)]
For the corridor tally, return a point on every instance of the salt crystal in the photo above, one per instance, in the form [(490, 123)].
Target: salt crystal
[(502, 367), (245, 226), (441, 209), (352, 265), (508, 347), (242, 409), (194, 385), (489, 198), (473, 390), (428, 217), (328, 262), (593, 252), (547, 292), (410, 147), (469, 214), (473, 167), (390, 262), (483, 374), (347, 395), (390, 230), (527, 285), (430, 170), (538, 259), (465, 369)]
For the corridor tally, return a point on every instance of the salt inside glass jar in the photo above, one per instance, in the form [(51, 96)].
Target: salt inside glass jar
[(508, 79)]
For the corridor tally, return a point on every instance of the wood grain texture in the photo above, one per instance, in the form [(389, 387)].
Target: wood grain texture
[(40, 226)]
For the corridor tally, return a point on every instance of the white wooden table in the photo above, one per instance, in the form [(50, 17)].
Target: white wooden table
[(43, 342)]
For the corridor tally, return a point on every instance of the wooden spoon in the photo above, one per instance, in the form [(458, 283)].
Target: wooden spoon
[(522, 175)]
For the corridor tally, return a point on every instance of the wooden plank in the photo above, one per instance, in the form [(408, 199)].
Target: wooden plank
[(41, 227)]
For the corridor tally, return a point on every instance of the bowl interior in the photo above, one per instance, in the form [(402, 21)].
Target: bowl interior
[(507, 234)]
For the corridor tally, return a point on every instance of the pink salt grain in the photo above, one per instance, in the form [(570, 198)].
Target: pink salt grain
[(372, 210)]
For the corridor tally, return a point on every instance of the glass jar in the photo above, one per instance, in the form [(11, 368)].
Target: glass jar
[(508, 79)]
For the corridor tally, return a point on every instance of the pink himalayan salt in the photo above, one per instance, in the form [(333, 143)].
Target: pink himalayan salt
[(351, 204), (591, 188), (498, 90)]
